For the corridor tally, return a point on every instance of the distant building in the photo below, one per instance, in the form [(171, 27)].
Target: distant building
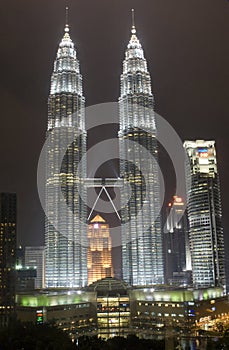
[(8, 219), (20, 256), (176, 243), (205, 215), (35, 258), (25, 278), (99, 259), (25, 275)]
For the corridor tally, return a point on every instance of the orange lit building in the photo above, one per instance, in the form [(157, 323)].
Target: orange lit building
[(99, 259)]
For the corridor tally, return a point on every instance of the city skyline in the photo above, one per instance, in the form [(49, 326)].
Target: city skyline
[(143, 22)]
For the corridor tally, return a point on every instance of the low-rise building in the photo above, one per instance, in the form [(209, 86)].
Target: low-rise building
[(72, 311), (110, 307)]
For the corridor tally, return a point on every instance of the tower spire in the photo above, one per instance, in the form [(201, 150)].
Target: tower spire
[(133, 29), (66, 29)]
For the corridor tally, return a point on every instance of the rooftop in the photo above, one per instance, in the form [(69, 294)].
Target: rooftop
[(109, 286)]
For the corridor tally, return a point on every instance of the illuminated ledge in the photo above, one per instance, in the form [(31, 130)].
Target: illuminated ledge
[(176, 295), (112, 286), (44, 298)]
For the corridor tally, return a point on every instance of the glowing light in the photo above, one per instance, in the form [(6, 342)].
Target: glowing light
[(203, 155)]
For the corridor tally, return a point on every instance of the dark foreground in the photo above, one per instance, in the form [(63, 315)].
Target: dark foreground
[(18, 336)]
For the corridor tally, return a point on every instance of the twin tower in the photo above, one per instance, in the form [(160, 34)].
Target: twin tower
[(66, 173)]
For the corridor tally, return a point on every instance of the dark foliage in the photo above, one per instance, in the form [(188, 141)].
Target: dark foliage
[(119, 343), (18, 336)]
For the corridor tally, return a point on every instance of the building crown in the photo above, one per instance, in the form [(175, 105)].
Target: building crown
[(97, 218)]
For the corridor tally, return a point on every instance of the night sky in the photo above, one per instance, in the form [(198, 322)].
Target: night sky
[(185, 44)]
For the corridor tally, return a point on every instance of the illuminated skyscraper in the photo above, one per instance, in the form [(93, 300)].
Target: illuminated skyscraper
[(99, 259), (205, 215), (8, 213), (176, 241), (142, 257), (66, 230)]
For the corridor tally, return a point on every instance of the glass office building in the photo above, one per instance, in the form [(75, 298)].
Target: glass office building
[(205, 215)]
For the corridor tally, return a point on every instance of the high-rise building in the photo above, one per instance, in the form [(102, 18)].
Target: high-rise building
[(205, 215), (142, 252), (99, 258), (8, 214), (176, 243), (66, 229), (35, 258)]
